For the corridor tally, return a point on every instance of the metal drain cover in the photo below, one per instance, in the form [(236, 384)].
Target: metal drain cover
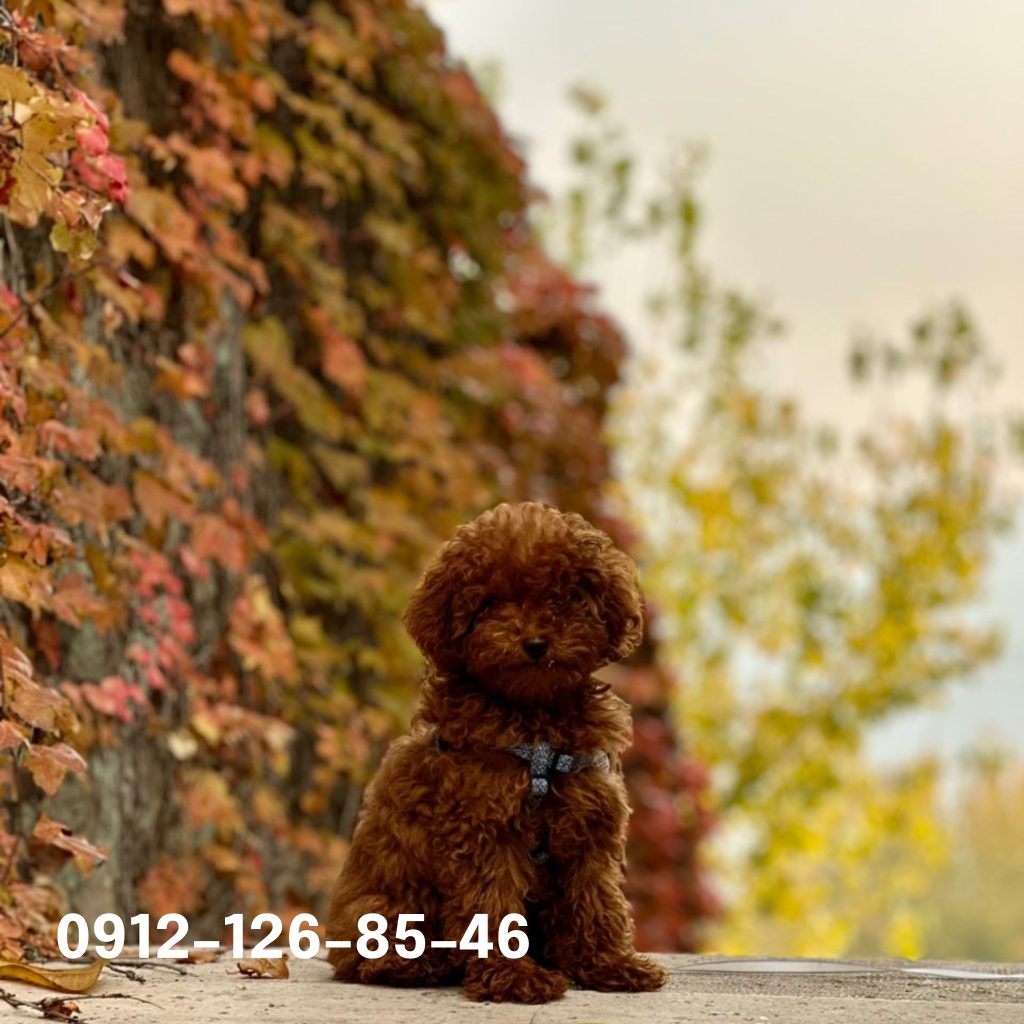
[(773, 965)]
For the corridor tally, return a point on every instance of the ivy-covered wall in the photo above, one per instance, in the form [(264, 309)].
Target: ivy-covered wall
[(272, 322)]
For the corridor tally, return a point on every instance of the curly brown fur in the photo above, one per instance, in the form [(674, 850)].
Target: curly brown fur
[(447, 829)]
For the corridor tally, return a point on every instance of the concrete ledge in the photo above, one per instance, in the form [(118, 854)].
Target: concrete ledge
[(210, 993)]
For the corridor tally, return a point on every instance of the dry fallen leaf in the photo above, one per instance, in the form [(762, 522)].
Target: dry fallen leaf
[(56, 1008), (63, 979), (264, 968), (202, 956)]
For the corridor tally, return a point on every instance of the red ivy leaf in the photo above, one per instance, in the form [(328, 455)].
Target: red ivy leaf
[(114, 696)]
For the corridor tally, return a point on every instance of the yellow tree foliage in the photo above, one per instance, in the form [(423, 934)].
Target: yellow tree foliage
[(809, 587), (974, 908)]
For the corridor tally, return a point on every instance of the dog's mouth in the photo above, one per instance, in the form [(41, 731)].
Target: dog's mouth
[(549, 663), (552, 662), (536, 681)]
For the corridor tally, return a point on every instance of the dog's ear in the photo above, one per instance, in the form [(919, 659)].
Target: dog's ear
[(439, 613), (621, 604)]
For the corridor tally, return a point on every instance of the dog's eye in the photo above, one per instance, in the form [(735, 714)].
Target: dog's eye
[(580, 601)]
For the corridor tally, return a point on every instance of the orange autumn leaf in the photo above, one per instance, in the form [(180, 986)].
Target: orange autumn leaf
[(17, 668), (182, 381), (344, 364), (258, 634), (341, 359), (265, 967), (42, 707), (74, 602), (92, 502), (215, 539), (52, 833), (10, 735), (202, 956), (159, 502), (49, 764), (172, 886)]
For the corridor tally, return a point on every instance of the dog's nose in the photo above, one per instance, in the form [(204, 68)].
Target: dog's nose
[(536, 647)]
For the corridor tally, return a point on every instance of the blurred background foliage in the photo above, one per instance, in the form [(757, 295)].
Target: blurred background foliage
[(811, 582), (971, 912), (280, 308)]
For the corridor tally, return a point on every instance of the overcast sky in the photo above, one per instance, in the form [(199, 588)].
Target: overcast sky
[(867, 159)]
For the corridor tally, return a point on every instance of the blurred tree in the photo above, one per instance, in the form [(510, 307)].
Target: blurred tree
[(974, 909), (809, 587)]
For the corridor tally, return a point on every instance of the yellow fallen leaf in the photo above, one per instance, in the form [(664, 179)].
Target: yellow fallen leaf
[(63, 979), (264, 968)]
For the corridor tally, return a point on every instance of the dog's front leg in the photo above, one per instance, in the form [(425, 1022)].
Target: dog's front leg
[(491, 877), (587, 920), (590, 928)]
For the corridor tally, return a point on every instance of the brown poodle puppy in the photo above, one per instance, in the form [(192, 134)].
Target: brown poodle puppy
[(507, 797)]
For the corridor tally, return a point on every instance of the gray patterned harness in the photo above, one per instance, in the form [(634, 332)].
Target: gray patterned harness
[(543, 761)]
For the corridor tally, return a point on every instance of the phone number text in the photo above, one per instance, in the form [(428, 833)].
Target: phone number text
[(107, 937)]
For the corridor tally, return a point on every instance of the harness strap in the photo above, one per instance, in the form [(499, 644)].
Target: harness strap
[(543, 761)]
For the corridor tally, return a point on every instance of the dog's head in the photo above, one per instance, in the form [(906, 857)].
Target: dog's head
[(526, 599)]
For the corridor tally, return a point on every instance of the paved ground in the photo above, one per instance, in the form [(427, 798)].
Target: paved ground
[(210, 993)]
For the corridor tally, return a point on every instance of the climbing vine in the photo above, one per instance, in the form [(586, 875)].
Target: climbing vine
[(272, 322)]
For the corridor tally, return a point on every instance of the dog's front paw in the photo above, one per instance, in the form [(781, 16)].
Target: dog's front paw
[(623, 974), (513, 981)]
